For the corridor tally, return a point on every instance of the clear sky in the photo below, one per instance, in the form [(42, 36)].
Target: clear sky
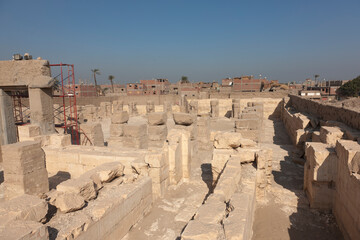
[(206, 40)]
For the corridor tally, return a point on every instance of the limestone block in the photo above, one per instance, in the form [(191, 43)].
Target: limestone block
[(157, 132), (185, 119), (134, 142), (192, 129), (24, 230), (330, 135), (120, 117), (245, 155), (24, 167), (252, 115), (231, 140), (94, 132), (117, 130), (25, 207), (135, 130), (322, 161), (155, 160), (60, 140), (83, 186), (158, 175), (212, 212), (316, 136), (196, 230), (252, 124), (186, 154), (70, 226), (157, 118), (68, 202), (27, 132), (219, 159)]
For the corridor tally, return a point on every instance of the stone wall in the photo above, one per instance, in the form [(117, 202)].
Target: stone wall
[(326, 112)]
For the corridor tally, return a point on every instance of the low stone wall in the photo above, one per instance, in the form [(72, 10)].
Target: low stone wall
[(326, 112)]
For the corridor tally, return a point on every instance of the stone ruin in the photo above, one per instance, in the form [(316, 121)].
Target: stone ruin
[(134, 157)]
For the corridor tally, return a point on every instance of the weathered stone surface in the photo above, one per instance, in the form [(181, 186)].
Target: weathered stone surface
[(227, 140), (196, 230), (68, 202), (183, 119), (212, 211), (24, 207), (24, 230), (157, 118), (83, 186), (330, 135), (120, 117), (135, 130), (116, 130), (157, 132)]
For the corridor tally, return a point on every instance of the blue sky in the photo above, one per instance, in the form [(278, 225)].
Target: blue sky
[(204, 40)]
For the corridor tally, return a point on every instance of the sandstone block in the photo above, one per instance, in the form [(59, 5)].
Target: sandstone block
[(60, 140), (252, 124), (212, 212), (68, 202), (196, 230), (157, 118), (28, 131), (183, 119), (83, 186), (120, 117)]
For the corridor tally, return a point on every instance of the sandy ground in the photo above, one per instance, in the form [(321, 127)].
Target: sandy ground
[(285, 212)]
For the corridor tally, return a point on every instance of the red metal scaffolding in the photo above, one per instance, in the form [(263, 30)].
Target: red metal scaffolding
[(67, 89)]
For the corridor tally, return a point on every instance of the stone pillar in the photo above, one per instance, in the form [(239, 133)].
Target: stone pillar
[(157, 129), (184, 105), (118, 106), (8, 132), (41, 109), (132, 109), (235, 108), (24, 168), (214, 108), (167, 108), (150, 107), (194, 106)]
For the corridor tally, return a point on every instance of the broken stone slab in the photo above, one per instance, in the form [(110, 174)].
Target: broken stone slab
[(68, 202), (24, 207), (185, 119), (83, 186), (69, 226), (24, 230), (212, 211), (227, 140), (120, 117), (245, 155), (157, 118), (196, 230), (106, 172)]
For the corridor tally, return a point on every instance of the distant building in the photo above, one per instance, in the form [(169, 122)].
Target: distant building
[(135, 89), (244, 84), (158, 86), (312, 94)]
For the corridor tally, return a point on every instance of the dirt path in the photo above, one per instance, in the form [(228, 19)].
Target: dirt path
[(285, 212)]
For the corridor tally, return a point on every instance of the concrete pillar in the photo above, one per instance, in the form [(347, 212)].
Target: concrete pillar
[(8, 132), (41, 109)]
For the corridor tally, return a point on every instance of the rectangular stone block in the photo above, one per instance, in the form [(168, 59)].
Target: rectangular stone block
[(252, 124), (330, 135), (157, 132), (135, 130), (116, 130)]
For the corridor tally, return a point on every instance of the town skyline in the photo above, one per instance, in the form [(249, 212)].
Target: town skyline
[(206, 40)]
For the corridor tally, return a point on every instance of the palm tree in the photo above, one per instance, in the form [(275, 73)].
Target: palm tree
[(111, 77), (96, 72), (184, 79)]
